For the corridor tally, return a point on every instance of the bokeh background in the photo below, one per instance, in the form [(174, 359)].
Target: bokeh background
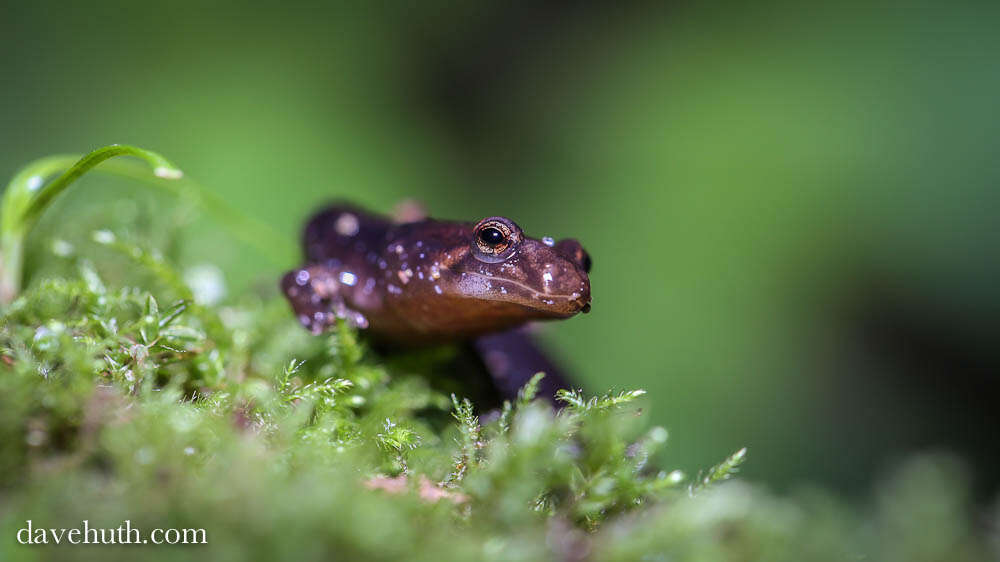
[(791, 208)]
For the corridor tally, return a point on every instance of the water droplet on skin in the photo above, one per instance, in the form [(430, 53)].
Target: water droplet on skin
[(547, 277), (302, 277), (548, 241), (437, 289), (348, 278), (340, 310), (405, 275), (360, 321), (347, 225)]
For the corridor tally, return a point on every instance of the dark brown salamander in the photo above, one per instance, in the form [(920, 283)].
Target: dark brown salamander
[(432, 281)]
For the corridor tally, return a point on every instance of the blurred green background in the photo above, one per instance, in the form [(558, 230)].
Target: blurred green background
[(791, 208)]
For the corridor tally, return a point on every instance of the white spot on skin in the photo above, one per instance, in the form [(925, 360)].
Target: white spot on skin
[(435, 272), (437, 289), (348, 278), (548, 241), (347, 225), (405, 275), (360, 321), (548, 276), (302, 277)]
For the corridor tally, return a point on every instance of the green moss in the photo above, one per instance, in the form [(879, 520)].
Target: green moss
[(127, 398)]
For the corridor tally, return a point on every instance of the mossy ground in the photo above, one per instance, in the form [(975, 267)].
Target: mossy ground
[(126, 394)]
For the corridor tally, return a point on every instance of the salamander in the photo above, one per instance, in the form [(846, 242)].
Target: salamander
[(426, 281)]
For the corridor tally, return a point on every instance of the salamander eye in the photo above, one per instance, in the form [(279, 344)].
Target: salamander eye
[(491, 236), (495, 238)]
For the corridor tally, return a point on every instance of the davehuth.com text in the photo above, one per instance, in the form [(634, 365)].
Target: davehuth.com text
[(123, 534)]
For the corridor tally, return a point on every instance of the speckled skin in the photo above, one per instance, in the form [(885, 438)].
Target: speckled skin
[(430, 280)]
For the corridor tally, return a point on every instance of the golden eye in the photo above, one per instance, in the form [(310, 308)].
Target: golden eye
[(493, 237)]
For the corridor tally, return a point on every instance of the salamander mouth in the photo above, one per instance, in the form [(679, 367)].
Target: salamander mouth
[(507, 290)]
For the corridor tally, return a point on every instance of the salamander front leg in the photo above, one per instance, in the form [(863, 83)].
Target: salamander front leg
[(315, 296)]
